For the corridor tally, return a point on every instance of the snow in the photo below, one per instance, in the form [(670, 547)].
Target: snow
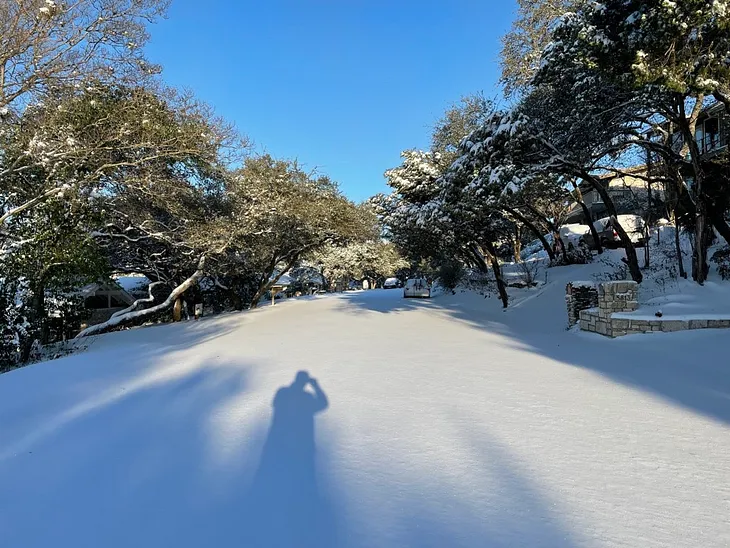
[(450, 423), (285, 279), (572, 233), (580, 283), (133, 284), (684, 300)]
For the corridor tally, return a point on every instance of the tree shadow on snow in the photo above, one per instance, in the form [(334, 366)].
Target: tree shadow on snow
[(126, 469), (385, 301), (690, 368), (141, 469)]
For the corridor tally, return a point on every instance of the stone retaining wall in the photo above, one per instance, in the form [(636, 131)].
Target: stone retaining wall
[(612, 317)]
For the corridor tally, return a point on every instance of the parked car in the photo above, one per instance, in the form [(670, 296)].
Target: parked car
[(392, 283), (569, 234), (632, 224), (417, 287)]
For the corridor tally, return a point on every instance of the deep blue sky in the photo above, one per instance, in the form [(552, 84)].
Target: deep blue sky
[(341, 85)]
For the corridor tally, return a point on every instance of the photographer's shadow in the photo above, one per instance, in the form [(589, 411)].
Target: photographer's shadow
[(286, 507)]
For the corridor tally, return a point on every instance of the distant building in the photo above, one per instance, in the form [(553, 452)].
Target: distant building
[(103, 299), (629, 193)]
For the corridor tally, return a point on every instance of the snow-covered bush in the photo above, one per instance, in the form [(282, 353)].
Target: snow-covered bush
[(14, 325), (663, 270)]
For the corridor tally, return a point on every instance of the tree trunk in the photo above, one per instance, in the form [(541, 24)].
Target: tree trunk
[(517, 244), (631, 257), (132, 314), (587, 214), (177, 310), (647, 220), (531, 226), (688, 127), (39, 304), (265, 286), (699, 259), (325, 281), (235, 296), (37, 320), (501, 286), (555, 229), (591, 227), (678, 246), (478, 258)]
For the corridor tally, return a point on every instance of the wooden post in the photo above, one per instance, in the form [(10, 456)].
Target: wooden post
[(275, 290)]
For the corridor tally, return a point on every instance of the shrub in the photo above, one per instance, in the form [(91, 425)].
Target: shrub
[(528, 272), (450, 274), (722, 258), (576, 255)]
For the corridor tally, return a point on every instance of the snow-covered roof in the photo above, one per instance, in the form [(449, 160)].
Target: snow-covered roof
[(133, 283), (284, 280)]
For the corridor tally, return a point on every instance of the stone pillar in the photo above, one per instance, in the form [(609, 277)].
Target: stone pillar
[(580, 296), (617, 297)]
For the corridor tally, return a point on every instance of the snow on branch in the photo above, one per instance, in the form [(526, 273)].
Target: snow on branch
[(122, 319), (136, 304)]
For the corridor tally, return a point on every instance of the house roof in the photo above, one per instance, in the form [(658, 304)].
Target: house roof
[(133, 283), (284, 280), (90, 290), (629, 171)]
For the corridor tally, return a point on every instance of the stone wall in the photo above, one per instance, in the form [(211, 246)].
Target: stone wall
[(580, 296), (613, 316)]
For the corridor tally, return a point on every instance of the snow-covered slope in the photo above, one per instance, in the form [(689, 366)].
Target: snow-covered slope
[(450, 423)]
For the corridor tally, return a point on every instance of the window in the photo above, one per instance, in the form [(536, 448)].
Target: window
[(707, 135), (712, 134)]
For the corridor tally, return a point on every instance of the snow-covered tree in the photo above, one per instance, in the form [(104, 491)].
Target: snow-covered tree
[(285, 213), (47, 44), (458, 122), (373, 260), (414, 184), (529, 35), (158, 184), (664, 59)]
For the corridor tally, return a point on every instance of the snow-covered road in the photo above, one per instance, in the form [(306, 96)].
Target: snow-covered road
[(449, 423)]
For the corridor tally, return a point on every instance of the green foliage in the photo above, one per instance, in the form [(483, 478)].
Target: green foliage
[(450, 274), (530, 33), (14, 326), (722, 258)]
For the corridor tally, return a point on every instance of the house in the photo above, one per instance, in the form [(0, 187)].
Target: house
[(712, 135), (135, 285), (629, 193), (103, 299)]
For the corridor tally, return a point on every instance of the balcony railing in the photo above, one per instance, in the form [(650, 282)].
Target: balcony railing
[(711, 142)]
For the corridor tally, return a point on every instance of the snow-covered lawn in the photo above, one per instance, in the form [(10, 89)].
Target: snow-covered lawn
[(450, 423)]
